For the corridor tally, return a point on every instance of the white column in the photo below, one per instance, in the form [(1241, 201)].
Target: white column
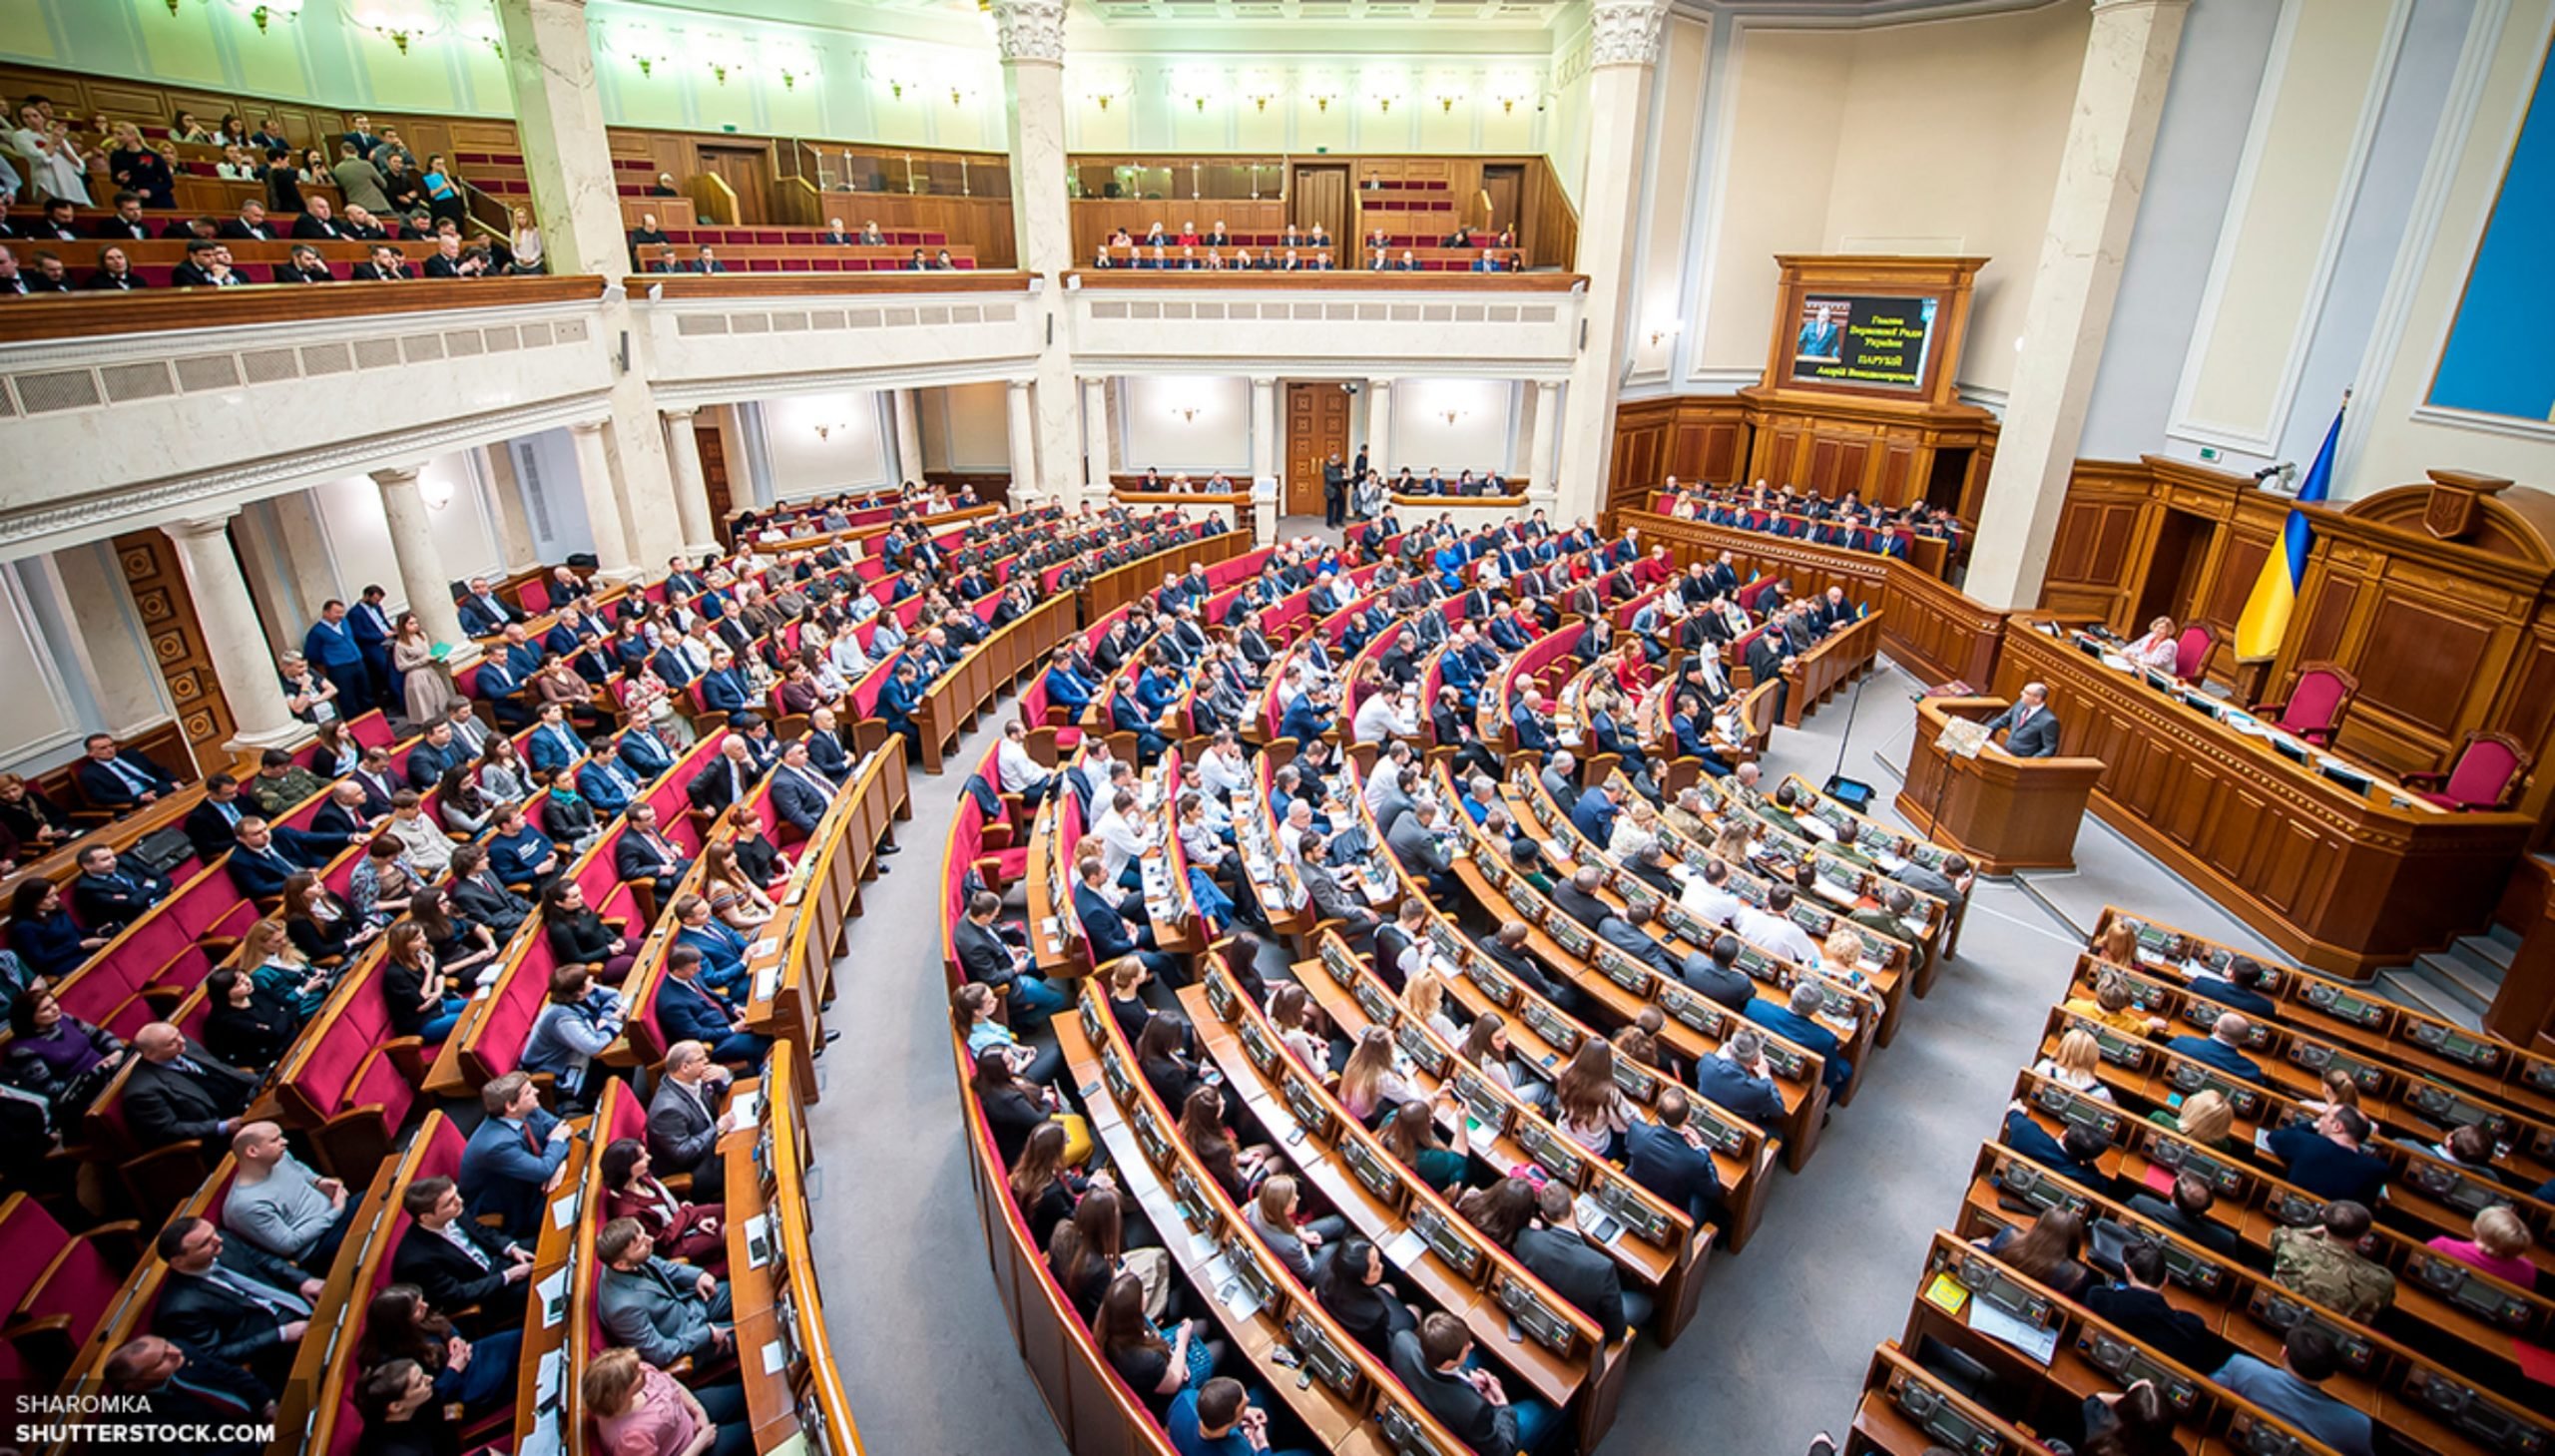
[(691, 487), (242, 663), (603, 507), (1624, 48), (2129, 58), (1263, 434), (1024, 444), (908, 437), (1541, 486), (549, 69), (422, 577), (1095, 440), (514, 527), (1029, 35), (1379, 425)]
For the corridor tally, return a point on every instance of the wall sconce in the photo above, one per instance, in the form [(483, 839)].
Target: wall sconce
[(397, 24), (789, 78), (1102, 85), (487, 30), (1259, 88), (899, 72), (1195, 87), (435, 491), (1510, 88), (641, 48), (1667, 328), (1187, 413), (1322, 91), (1447, 103), (262, 12), (1450, 416)]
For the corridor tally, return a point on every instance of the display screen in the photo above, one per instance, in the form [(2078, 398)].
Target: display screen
[(1862, 343)]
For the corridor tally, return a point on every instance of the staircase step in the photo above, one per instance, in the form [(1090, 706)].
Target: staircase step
[(2502, 936), (2476, 979), (2407, 986), (2494, 952)]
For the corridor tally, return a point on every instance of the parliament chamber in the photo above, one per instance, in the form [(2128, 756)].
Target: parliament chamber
[(1824, 739)]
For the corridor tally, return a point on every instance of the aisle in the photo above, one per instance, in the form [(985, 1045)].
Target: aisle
[(927, 1362)]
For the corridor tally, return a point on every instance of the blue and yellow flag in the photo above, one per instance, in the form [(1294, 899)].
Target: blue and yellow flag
[(2265, 618)]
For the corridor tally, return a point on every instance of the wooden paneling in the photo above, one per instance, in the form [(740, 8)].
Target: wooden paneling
[(1316, 429), (157, 582), (1884, 455)]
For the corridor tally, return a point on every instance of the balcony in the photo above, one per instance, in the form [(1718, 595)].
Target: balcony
[(1516, 325), (711, 339)]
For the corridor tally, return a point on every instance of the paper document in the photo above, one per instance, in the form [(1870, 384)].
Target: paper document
[(746, 1107), (2037, 1343), (774, 1355), (765, 946), (1404, 1248), (553, 1299), (758, 1240), (563, 1211)]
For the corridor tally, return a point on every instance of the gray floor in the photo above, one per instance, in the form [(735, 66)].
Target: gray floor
[(1789, 1326)]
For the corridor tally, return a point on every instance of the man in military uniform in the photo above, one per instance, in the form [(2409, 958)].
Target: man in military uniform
[(2324, 1263), (1890, 918)]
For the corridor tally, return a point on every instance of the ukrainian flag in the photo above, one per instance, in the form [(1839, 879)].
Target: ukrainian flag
[(2266, 619)]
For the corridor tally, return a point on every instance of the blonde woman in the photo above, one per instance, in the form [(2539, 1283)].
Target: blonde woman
[(2113, 1008), (1842, 954), (2499, 1248), (2204, 1118), (1426, 995), (2076, 1064), (527, 243), (1735, 844), (2117, 945), (1636, 832), (277, 965)]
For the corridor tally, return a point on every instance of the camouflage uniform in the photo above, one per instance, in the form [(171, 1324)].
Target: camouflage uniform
[(2325, 1270)]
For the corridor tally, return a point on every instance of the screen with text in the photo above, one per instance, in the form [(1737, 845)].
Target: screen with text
[(1862, 343)]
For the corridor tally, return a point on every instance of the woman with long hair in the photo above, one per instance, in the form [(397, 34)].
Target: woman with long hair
[(1409, 1134), (41, 929), (2046, 1252), (733, 894), (502, 774), (401, 1325), (1236, 1169), (1353, 1291), (322, 927), (420, 1004), (1500, 1212), (425, 683), (1588, 1107), (2077, 1064), (1045, 1189), (1372, 1084), (1292, 1011), (1155, 1363), (269, 956)]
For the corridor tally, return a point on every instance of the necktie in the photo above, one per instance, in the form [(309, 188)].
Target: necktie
[(463, 1243), (132, 778), (188, 1066), (230, 813), (531, 1138)]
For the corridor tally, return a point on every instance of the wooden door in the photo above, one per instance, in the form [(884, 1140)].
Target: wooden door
[(747, 173), (1322, 196), (1505, 187), (1316, 428)]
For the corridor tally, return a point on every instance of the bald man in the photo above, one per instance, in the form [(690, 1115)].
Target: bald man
[(178, 1093), (2030, 729)]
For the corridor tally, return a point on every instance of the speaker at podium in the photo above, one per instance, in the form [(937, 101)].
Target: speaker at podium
[(2005, 814)]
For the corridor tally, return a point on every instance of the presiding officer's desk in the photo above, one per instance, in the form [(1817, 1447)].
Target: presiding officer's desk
[(2005, 814), (2347, 873)]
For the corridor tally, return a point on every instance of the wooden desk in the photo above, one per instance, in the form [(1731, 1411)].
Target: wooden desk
[(2344, 881), (2005, 814)]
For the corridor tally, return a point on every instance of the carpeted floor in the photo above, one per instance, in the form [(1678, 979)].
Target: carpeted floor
[(1789, 1328)]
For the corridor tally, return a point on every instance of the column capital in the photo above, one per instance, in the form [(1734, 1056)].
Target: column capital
[(587, 427), (680, 411), (389, 475), (1019, 387), (1626, 32), (201, 527), (1264, 382), (1030, 30)]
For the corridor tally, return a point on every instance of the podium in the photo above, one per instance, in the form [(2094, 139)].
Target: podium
[(2005, 814)]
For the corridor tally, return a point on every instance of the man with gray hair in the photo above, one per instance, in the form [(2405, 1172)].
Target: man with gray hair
[(1738, 1080)]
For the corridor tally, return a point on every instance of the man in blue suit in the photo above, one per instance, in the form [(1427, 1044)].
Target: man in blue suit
[(555, 744), (827, 752), (2076, 1157), (722, 946), (433, 755), (262, 858), (2030, 729), (898, 699), (1594, 815), (723, 688), (483, 613), (330, 646), (1303, 720), (1533, 731), (370, 622), (499, 682), (510, 1160), (2219, 1049), (1797, 1022), (1668, 1158), (604, 781), (687, 1010), (1126, 716), (645, 753), (799, 794), (1738, 1080), (112, 779), (1065, 686)]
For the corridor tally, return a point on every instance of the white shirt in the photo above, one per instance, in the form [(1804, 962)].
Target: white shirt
[(1019, 773), (2154, 652), (1120, 843), (1713, 907), (1221, 775), (1773, 933), (1379, 718)]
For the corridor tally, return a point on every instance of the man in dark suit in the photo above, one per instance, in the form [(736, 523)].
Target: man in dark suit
[(1577, 897), (1108, 925), (386, 265), (827, 752), (1738, 1080), (317, 221), (251, 225), (2030, 729), (126, 224), (1716, 976), (221, 1316), (178, 1094), (458, 1261), (2075, 1156), (483, 611), (113, 778), (212, 824), (2221, 1049), (688, 1010), (799, 794), (1669, 1158), (264, 857), (2187, 1214), (513, 1156), (726, 782), (684, 1120), (1432, 1361), (985, 956), (645, 853), (1560, 1255), (433, 755), (107, 896), (2137, 1305), (834, 237), (1594, 815)]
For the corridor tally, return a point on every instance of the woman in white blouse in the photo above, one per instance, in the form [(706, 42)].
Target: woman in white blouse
[(2158, 648)]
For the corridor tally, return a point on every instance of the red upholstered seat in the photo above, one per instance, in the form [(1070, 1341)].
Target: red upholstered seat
[(2486, 775), (2191, 652), (2316, 704)]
